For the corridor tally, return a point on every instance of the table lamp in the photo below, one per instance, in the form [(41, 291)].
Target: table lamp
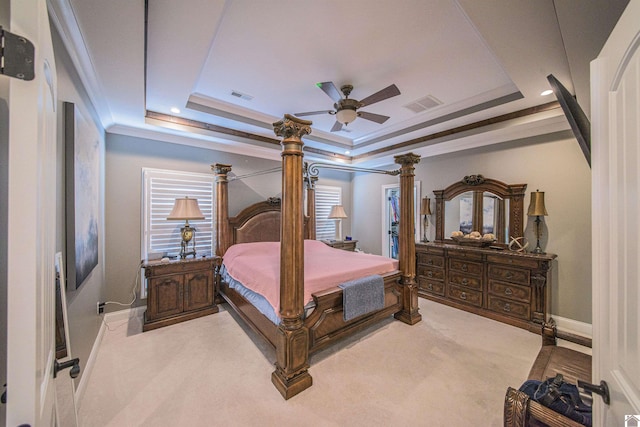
[(337, 213), (537, 209), (186, 209), (425, 209)]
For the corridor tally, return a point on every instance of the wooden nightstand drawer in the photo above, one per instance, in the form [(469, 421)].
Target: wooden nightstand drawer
[(509, 307), (513, 275), (465, 295), (158, 268)]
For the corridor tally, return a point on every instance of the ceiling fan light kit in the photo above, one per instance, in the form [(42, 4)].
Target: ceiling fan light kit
[(346, 109), (346, 115)]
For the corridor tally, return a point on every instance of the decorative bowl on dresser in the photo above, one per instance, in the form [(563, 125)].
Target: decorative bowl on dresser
[(179, 290)]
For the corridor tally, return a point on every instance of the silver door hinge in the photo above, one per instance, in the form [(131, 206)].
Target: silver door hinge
[(16, 56)]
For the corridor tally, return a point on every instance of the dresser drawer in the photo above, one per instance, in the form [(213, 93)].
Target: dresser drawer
[(509, 307), (464, 254), (513, 260), (464, 266), (431, 260), (465, 281), (513, 275), (510, 291), (465, 295), (431, 286), (431, 273)]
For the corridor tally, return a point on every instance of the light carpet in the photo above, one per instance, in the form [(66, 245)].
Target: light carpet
[(451, 369)]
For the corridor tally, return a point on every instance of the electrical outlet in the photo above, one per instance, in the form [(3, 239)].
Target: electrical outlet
[(99, 308)]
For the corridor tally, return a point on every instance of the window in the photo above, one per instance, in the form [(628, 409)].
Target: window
[(326, 196), (160, 188)]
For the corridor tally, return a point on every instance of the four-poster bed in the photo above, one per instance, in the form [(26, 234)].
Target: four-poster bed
[(299, 334)]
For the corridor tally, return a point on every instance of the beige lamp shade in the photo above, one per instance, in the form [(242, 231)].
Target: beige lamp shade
[(337, 211), (186, 209), (536, 207), (425, 208)]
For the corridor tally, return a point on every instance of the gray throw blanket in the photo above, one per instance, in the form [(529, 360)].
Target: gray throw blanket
[(362, 296)]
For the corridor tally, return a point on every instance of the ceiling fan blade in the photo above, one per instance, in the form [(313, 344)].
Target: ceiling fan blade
[(312, 113), (330, 89), (378, 118), (336, 126), (385, 93)]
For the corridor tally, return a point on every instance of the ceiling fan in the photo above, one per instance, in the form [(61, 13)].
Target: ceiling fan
[(346, 109)]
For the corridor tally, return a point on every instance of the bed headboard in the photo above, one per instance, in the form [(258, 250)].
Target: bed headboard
[(259, 222)]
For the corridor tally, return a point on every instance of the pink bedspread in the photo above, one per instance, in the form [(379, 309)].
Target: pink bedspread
[(257, 266)]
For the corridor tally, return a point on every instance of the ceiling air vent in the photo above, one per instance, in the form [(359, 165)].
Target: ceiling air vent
[(241, 95), (424, 104)]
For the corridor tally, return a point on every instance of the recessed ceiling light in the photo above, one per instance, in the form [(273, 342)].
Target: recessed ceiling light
[(347, 152), (175, 110), (546, 92)]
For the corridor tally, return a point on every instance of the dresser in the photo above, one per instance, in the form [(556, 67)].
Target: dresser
[(347, 245), (179, 290), (506, 286)]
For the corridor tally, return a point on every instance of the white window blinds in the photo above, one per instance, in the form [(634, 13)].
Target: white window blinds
[(326, 196), (160, 188)]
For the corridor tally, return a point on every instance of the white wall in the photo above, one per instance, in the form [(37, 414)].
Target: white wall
[(553, 164)]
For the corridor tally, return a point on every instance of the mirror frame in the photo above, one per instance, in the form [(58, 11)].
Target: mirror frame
[(479, 184)]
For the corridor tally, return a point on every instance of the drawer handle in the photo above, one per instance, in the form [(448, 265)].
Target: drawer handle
[(463, 295), (464, 267), (430, 262), (509, 275), (464, 282), (508, 291), (429, 273), (507, 307), (430, 286)]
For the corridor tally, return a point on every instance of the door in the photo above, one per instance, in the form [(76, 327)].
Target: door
[(165, 296), (391, 218), (198, 290), (30, 222), (391, 214), (615, 116)]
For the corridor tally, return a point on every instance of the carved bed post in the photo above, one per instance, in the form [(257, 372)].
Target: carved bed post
[(223, 238), (292, 337), (310, 181), (407, 251)]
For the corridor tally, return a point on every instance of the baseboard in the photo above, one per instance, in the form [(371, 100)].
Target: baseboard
[(115, 316), (88, 367), (120, 315), (574, 331)]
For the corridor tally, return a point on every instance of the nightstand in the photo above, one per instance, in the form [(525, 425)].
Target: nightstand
[(347, 245), (179, 290)]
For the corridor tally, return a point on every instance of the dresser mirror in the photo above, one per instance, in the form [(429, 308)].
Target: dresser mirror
[(481, 204)]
